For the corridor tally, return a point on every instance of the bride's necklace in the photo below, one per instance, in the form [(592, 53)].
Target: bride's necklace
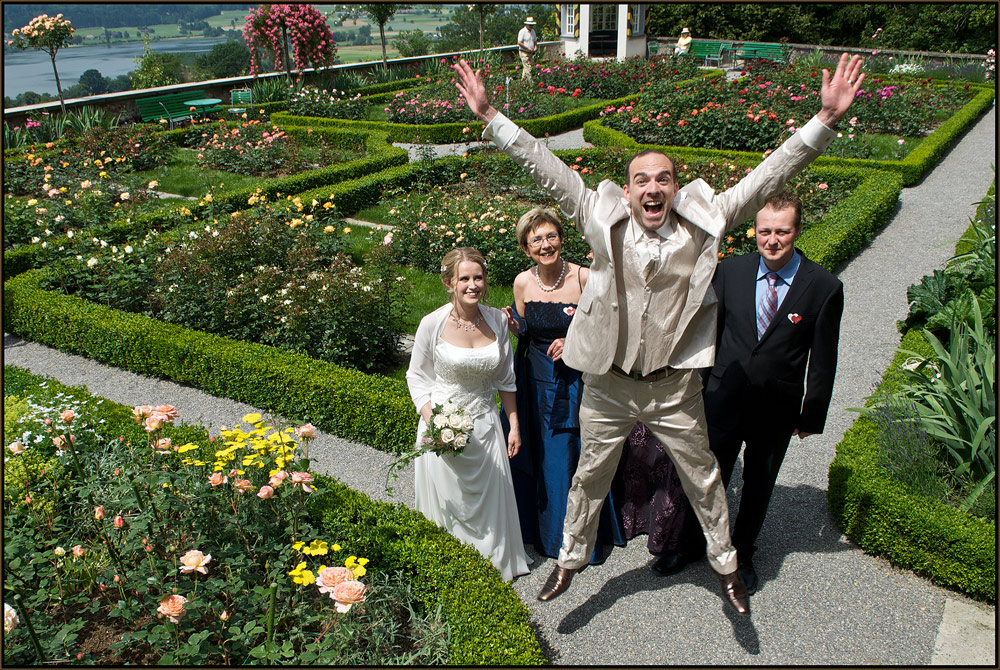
[(468, 326), (549, 289)]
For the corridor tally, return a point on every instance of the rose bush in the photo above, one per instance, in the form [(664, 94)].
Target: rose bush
[(273, 274), (193, 574)]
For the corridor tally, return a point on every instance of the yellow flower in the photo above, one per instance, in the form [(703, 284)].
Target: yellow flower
[(102, 174), (302, 576), (750, 232), (252, 418), (346, 229), (208, 197), (190, 446), (329, 229), (297, 545), (295, 223), (336, 547), (316, 548)]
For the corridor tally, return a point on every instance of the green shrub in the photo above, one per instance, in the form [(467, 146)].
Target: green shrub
[(311, 101)]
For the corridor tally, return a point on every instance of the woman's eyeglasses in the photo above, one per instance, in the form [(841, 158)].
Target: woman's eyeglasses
[(536, 242)]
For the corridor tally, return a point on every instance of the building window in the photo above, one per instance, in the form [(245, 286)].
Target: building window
[(604, 17), (638, 20), (569, 19)]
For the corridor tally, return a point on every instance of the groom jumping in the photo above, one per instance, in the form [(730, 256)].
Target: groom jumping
[(646, 320)]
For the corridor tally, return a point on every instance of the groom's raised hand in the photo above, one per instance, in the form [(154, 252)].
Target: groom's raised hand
[(470, 85), (839, 91)]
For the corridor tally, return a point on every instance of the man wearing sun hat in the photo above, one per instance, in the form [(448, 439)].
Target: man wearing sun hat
[(683, 43), (527, 45)]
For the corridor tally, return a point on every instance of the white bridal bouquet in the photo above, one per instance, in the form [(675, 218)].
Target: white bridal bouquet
[(447, 433)]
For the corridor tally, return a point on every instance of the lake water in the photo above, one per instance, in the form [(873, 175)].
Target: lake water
[(31, 70)]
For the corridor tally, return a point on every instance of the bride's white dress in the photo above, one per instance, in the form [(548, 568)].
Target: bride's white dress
[(471, 494)]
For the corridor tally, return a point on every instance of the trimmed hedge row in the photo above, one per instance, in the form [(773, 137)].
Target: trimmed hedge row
[(368, 408), (912, 168), (489, 623), (442, 133), (885, 518)]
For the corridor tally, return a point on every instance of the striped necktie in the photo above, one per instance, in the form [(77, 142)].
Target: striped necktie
[(768, 306)]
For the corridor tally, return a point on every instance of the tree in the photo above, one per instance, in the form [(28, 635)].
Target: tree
[(229, 59), (381, 13), (500, 27), (153, 69), (48, 34), (94, 82), (273, 28), (412, 43)]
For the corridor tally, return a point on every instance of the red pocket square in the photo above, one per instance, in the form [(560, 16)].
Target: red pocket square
[(794, 318)]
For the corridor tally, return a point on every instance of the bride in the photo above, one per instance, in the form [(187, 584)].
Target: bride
[(462, 354)]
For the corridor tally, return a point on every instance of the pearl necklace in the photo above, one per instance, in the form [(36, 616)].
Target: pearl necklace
[(468, 326), (549, 289)]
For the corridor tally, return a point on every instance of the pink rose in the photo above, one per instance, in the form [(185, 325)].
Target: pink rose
[(172, 607), (277, 478), (140, 412), (17, 448), (68, 415), (330, 577), (217, 478), (265, 493), (242, 485), (78, 551), (307, 431), (195, 561), (163, 445), (347, 594), (153, 423), (119, 521), (168, 411), (303, 478), (99, 512)]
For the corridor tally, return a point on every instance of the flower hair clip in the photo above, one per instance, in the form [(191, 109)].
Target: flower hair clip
[(444, 268)]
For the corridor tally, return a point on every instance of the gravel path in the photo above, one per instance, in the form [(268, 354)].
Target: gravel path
[(822, 600)]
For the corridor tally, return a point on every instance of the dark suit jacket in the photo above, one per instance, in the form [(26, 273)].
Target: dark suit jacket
[(764, 380)]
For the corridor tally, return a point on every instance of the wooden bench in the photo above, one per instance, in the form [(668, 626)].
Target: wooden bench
[(710, 51), (170, 107), (763, 51)]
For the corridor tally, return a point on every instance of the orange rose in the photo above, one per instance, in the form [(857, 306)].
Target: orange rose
[(172, 607), (347, 594)]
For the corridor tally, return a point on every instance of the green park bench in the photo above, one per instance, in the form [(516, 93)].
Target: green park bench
[(765, 51), (170, 107), (710, 51)]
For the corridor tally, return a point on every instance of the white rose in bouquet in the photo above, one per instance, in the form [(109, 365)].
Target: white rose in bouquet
[(447, 435), (440, 420), (449, 408), (456, 421), (460, 441), (467, 423)]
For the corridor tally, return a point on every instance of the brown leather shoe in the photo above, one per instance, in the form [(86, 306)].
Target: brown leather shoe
[(557, 582), (735, 591)]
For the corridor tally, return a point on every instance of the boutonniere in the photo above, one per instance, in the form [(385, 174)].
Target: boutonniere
[(794, 318), (569, 310)]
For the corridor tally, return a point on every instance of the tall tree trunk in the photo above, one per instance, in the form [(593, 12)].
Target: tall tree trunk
[(381, 33), (481, 31), (284, 51), (62, 103)]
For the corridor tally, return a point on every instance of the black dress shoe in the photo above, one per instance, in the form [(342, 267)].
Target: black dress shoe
[(735, 591), (557, 582), (672, 562), (749, 575)]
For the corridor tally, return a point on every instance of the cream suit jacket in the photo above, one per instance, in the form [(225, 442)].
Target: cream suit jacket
[(602, 214)]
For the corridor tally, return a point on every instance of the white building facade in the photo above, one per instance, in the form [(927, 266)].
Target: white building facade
[(604, 30)]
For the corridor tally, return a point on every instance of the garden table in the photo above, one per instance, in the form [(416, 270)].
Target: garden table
[(202, 104)]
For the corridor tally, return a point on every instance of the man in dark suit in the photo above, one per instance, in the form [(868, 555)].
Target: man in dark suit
[(779, 314)]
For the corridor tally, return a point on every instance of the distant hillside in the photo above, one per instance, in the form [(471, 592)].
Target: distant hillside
[(86, 15)]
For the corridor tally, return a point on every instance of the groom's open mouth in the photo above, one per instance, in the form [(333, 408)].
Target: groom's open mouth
[(653, 207)]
